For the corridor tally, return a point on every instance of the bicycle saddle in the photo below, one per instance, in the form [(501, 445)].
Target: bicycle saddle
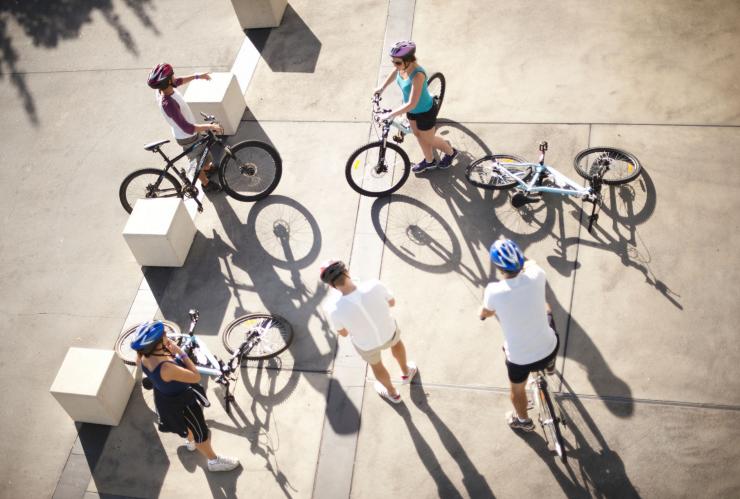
[(155, 145)]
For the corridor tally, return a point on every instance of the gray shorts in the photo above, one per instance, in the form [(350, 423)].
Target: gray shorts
[(373, 356), (194, 155)]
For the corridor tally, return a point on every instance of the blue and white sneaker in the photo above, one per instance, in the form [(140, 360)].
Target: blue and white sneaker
[(423, 166), (446, 161)]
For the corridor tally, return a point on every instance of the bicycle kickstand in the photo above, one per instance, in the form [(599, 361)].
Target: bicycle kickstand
[(593, 218)]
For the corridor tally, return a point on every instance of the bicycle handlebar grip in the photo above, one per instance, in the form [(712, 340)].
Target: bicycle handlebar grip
[(543, 146)]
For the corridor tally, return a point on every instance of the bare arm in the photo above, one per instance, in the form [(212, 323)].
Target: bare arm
[(196, 76), (392, 302), (173, 372), (343, 332), (484, 313), (387, 82)]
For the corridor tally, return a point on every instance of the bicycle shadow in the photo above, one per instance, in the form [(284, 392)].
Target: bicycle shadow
[(600, 471), (290, 250)]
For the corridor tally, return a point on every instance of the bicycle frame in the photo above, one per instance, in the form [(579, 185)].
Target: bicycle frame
[(573, 189)]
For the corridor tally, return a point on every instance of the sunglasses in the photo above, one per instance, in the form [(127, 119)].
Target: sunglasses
[(397, 63)]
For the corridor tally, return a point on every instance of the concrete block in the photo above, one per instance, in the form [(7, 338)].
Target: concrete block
[(259, 13), (160, 232), (93, 386), (220, 96)]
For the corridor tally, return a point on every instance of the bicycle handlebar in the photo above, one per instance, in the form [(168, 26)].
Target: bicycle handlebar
[(377, 110)]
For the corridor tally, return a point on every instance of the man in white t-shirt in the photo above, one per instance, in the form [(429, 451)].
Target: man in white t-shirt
[(530, 341), (180, 118), (362, 312)]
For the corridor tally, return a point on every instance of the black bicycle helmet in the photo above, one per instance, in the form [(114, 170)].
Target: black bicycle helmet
[(331, 270), (160, 76)]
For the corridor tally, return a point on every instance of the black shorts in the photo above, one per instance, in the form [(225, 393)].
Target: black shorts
[(196, 423), (518, 373), (427, 120)]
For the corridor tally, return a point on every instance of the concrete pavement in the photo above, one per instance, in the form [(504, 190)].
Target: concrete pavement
[(647, 325)]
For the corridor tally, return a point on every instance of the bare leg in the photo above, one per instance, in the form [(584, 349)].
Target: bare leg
[(519, 399), (205, 448), (435, 142), (399, 352), (381, 374), (426, 148)]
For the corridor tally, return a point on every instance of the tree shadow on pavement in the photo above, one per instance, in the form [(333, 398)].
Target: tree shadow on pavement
[(592, 468), (47, 23), (475, 483)]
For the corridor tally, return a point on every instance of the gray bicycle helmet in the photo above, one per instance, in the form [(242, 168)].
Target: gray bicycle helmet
[(331, 270)]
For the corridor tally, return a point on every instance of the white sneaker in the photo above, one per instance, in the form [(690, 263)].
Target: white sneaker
[(405, 380), (189, 445), (222, 463)]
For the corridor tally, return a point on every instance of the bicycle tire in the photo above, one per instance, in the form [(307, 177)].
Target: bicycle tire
[(235, 334), (151, 189), (553, 426), (613, 176), (258, 174), (483, 172), (123, 349), (375, 177), (438, 94)]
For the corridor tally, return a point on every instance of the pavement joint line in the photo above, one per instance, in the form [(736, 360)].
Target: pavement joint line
[(585, 396), (337, 453), (473, 122), (95, 70)]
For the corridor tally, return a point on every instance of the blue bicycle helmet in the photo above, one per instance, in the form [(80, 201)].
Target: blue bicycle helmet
[(506, 255), (147, 335)]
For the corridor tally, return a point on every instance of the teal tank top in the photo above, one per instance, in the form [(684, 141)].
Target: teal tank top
[(425, 99)]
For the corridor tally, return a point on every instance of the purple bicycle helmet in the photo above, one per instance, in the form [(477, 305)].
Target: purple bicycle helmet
[(403, 49), (160, 76)]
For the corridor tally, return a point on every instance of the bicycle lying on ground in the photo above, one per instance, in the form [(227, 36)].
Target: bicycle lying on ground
[(249, 337), (248, 171), (382, 167), (598, 165), (551, 421)]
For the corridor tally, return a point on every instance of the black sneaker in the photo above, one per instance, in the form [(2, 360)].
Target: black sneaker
[(423, 166), (212, 186), (518, 424), (446, 161)]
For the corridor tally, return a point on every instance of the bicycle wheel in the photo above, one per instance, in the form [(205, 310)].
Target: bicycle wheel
[(251, 172), (622, 166), (147, 183), (551, 422), (436, 85), (275, 335), (488, 171), (374, 174), (123, 343)]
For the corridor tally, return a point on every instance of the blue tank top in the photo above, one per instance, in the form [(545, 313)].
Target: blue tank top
[(425, 99), (165, 387)]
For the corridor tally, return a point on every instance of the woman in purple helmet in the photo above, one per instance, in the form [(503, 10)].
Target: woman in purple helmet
[(419, 105)]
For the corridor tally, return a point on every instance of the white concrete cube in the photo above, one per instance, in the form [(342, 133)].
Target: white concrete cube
[(93, 386), (219, 96), (159, 232), (259, 13)]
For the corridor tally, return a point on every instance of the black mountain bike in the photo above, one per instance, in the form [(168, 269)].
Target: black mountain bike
[(382, 167), (248, 171)]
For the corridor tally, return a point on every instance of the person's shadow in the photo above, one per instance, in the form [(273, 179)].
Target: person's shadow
[(475, 483), (592, 469)]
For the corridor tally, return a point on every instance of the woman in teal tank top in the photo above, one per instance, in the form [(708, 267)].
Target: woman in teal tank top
[(418, 105)]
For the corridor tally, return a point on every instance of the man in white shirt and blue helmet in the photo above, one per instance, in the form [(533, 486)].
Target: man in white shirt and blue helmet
[(530, 341)]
